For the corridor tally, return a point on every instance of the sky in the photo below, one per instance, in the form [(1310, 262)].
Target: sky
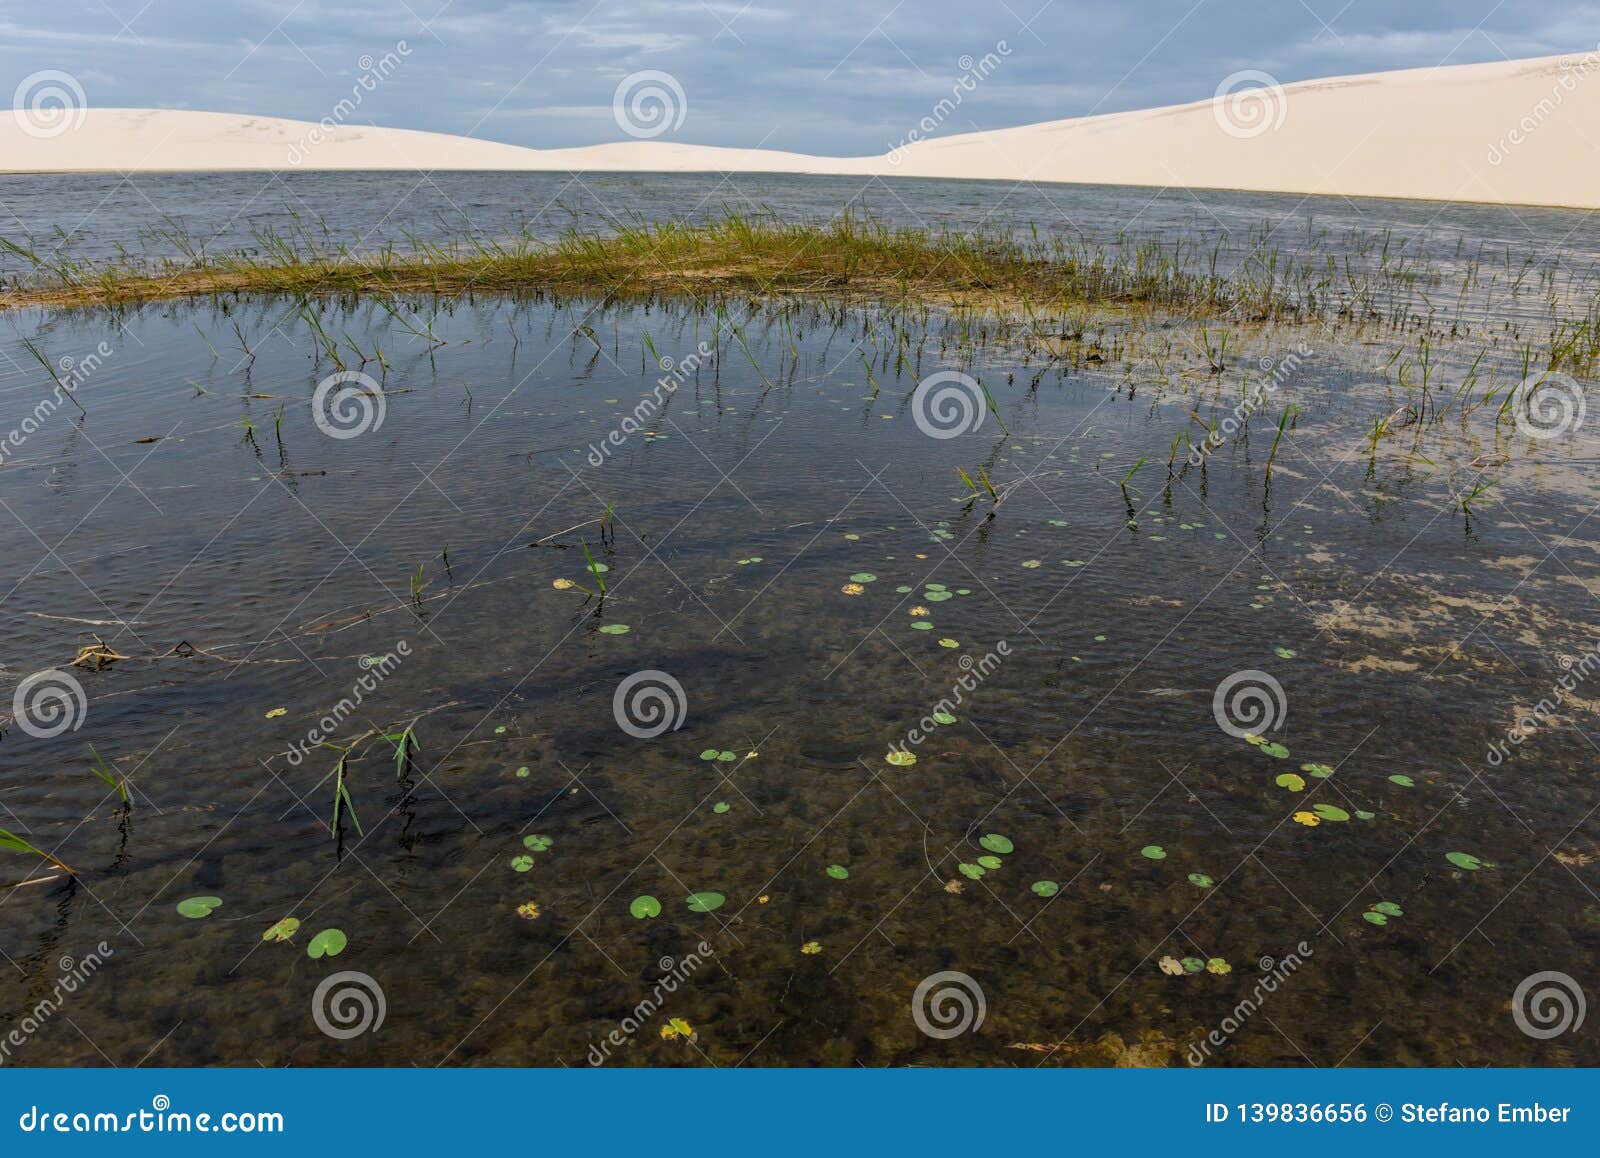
[(841, 77)]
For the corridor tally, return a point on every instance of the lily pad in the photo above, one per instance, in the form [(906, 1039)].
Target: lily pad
[(1284, 652), (1153, 852), (720, 807), (197, 907), (536, 843), (1218, 966), (1320, 771), (328, 943), (522, 864), (863, 577), (1201, 881), (1388, 909), (943, 718), (645, 907), (1464, 860), (1330, 812), (1293, 781), (936, 596), (1193, 965), (705, 902), (282, 930), (1045, 888), (901, 759), (1375, 918), (838, 872), (1402, 780), (949, 643), (990, 862), (970, 871), (994, 842), (615, 629)]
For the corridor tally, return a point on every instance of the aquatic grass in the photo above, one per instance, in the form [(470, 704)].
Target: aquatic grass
[(117, 783), (10, 840), (851, 257)]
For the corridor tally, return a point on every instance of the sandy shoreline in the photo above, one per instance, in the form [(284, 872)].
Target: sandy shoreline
[(1516, 133)]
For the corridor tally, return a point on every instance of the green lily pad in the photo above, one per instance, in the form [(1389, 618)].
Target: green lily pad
[(524, 772), (935, 587), (522, 864), (949, 643), (990, 862), (615, 629), (1464, 860), (1375, 918), (1363, 814), (863, 577), (645, 907), (726, 757), (720, 807), (970, 871), (709, 754), (1276, 750), (1193, 965), (943, 717), (1389, 909), (838, 872), (1045, 888), (904, 590), (1284, 652), (994, 842), (1153, 852), (197, 907), (282, 930), (922, 625), (328, 943), (1402, 781), (536, 843), (1330, 812), (1320, 771), (1201, 881), (1293, 781), (705, 902), (936, 596), (901, 759)]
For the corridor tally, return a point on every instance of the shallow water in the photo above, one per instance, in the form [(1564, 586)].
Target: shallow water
[(1094, 623)]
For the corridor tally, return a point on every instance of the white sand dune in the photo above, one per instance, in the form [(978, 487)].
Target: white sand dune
[(1517, 132)]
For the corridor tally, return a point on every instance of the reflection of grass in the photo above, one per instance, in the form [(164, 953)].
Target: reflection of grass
[(850, 257)]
